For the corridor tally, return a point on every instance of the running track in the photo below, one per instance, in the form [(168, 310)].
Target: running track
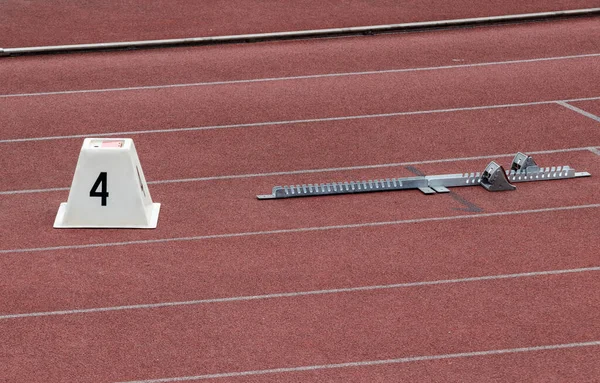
[(469, 286), (59, 22)]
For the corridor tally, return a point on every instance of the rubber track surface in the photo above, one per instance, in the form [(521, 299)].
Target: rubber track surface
[(468, 286), (59, 22)]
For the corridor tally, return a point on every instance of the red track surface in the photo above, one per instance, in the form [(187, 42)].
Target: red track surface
[(241, 61), (312, 330), (36, 23), (123, 343)]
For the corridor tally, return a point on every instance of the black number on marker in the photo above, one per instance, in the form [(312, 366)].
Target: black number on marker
[(103, 193)]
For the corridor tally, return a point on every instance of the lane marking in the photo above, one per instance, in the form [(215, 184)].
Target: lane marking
[(26, 191), (299, 230), (378, 362), (291, 122), (325, 170), (302, 77), (580, 111), (303, 293)]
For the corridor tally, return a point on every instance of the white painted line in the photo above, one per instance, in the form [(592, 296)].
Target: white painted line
[(27, 191), (378, 362), (360, 167), (324, 170), (305, 77), (302, 293), (298, 230), (291, 122), (578, 110)]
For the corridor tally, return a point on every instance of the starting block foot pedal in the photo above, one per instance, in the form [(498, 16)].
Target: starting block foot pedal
[(494, 178), (523, 162)]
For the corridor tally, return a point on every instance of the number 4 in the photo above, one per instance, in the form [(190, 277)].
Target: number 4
[(103, 193)]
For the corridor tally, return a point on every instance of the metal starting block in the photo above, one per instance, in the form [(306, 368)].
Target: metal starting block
[(493, 178)]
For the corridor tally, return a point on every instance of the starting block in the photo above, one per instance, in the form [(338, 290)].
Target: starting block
[(109, 189), (494, 178)]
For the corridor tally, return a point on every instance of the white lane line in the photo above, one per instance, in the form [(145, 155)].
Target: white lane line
[(303, 293), (376, 166), (578, 110), (26, 191), (290, 78), (378, 362), (291, 122), (324, 170), (298, 230)]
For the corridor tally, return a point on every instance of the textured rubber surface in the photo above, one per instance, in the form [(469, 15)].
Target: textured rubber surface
[(541, 227), (39, 23)]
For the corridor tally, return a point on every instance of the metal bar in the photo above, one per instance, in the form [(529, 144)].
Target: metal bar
[(301, 34), (494, 178), (545, 174), (426, 184)]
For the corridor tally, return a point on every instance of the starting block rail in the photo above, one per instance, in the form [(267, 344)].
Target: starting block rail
[(493, 178)]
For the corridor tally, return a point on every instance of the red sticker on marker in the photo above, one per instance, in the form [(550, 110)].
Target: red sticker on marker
[(111, 144)]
